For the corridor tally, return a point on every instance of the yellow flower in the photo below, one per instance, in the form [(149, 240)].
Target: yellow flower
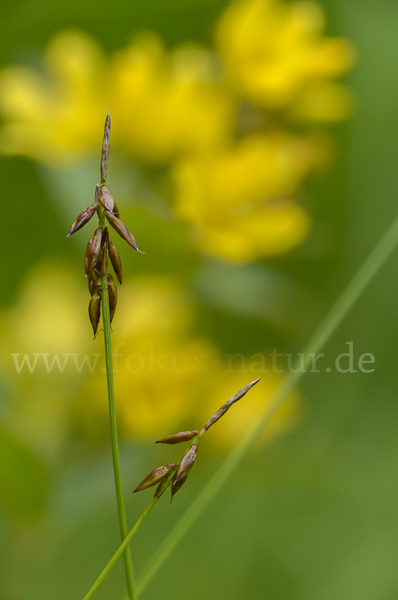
[(275, 56), (240, 198), (161, 104)]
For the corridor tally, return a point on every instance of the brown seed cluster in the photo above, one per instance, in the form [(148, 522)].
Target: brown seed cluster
[(100, 248), (176, 475)]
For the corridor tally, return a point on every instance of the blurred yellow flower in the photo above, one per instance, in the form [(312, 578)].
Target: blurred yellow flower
[(166, 378), (240, 198), (276, 57), (162, 104), (222, 123)]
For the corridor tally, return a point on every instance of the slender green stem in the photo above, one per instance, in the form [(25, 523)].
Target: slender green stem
[(326, 329), (128, 565)]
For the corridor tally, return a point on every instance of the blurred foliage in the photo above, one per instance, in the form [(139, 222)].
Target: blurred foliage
[(311, 514)]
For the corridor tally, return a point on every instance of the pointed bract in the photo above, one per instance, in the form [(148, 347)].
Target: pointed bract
[(155, 477), (92, 250), (83, 218), (122, 230), (94, 311), (185, 465), (116, 261), (112, 293), (177, 438)]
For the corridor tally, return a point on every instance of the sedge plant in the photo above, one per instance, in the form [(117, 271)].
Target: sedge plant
[(174, 475), (99, 252)]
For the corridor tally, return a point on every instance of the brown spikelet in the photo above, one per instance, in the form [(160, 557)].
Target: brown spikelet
[(116, 261), (158, 475), (176, 438), (122, 230), (94, 311), (92, 250), (83, 218), (185, 465), (221, 411)]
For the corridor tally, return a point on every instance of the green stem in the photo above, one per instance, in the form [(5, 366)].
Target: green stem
[(114, 437), (326, 329)]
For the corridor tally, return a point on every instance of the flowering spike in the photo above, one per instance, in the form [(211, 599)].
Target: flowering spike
[(158, 475), (83, 218), (221, 411), (94, 311), (122, 230), (184, 466), (115, 260), (92, 251), (106, 147), (176, 438)]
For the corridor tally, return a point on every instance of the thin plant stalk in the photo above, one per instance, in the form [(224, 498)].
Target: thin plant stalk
[(128, 564), (333, 319)]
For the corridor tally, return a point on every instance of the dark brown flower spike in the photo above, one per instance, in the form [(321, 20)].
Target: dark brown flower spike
[(177, 438), (92, 250), (112, 292), (104, 257), (158, 475), (185, 465), (115, 260), (94, 311), (106, 147), (221, 411), (83, 218), (122, 230)]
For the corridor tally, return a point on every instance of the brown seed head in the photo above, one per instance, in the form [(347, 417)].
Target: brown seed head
[(176, 438), (92, 250), (155, 477), (94, 311)]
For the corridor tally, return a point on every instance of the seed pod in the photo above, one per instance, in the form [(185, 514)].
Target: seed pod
[(92, 250), (122, 230), (185, 465), (94, 282), (155, 477), (94, 311), (176, 438), (112, 292), (83, 218), (115, 260)]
